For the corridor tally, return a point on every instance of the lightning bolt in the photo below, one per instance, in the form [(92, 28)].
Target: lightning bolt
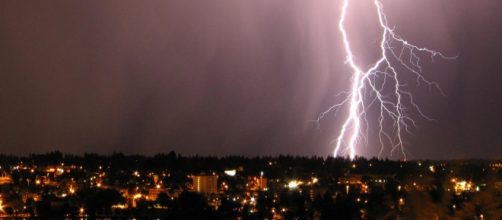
[(371, 87)]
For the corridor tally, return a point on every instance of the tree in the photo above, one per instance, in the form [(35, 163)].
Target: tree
[(190, 205), (328, 206), (100, 201), (163, 199), (437, 190), (229, 209)]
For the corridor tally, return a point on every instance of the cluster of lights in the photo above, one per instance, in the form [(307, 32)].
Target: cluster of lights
[(460, 186), (136, 173), (293, 184), (496, 165), (364, 188), (120, 206)]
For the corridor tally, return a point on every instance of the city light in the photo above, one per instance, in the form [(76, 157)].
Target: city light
[(314, 180), (293, 184), (231, 172), (432, 169), (244, 191), (462, 186)]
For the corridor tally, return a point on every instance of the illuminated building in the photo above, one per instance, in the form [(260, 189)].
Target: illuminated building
[(257, 183), (30, 195), (351, 180), (207, 184), (5, 180), (153, 193), (155, 179)]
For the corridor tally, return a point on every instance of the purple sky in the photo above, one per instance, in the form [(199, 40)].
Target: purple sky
[(233, 77)]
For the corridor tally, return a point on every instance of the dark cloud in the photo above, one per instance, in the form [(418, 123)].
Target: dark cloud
[(231, 77)]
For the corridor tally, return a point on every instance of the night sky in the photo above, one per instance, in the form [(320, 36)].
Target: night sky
[(234, 77)]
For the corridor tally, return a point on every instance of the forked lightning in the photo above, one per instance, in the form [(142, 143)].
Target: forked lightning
[(379, 85)]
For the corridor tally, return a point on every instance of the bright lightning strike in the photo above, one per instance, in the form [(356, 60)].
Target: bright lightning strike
[(371, 87)]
